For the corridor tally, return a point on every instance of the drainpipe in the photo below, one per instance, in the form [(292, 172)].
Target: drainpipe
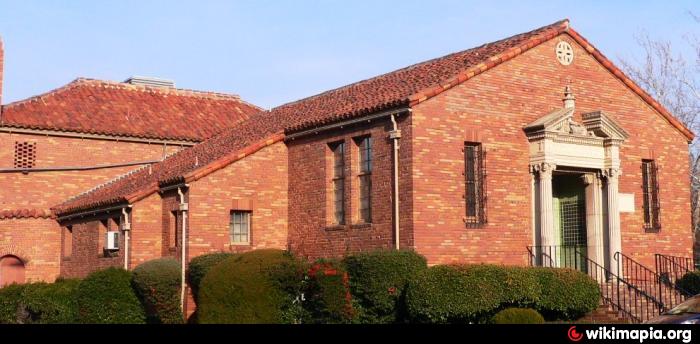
[(183, 240), (394, 136), (126, 227)]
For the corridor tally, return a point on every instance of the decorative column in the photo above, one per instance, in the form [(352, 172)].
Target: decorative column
[(594, 218), (547, 235), (613, 175)]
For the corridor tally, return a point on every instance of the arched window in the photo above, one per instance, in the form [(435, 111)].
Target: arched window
[(11, 270)]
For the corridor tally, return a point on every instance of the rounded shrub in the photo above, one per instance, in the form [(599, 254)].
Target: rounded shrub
[(378, 281), (106, 297), (199, 266), (517, 316), (453, 294), (328, 299), (10, 297), (50, 303), (157, 283), (566, 294), (690, 283), (255, 287)]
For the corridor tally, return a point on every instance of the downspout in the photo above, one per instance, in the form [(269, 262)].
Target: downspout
[(126, 227), (183, 243), (394, 136)]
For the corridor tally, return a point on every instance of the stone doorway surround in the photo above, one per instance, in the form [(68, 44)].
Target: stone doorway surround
[(558, 143)]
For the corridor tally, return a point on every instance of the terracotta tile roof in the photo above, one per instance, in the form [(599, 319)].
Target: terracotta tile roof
[(119, 109), (404, 87), (26, 214)]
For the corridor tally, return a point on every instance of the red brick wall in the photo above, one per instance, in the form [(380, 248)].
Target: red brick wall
[(257, 183), (495, 106), (146, 231), (2, 65), (88, 243), (30, 191), (37, 242), (311, 232)]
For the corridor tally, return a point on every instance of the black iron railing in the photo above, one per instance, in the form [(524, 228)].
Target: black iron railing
[(673, 268), (631, 302), (649, 281)]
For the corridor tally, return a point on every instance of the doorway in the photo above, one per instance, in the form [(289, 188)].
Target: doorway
[(11, 270), (569, 208)]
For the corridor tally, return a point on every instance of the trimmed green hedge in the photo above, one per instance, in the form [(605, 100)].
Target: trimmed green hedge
[(690, 282), (566, 294), (10, 298), (50, 303), (517, 316), (378, 281), (328, 299), (157, 283), (106, 297), (255, 287), (462, 294), (198, 268)]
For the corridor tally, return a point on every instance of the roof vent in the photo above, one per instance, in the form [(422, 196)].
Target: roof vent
[(149, 81)]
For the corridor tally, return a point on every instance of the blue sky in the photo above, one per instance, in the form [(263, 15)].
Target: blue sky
[(274, 51)]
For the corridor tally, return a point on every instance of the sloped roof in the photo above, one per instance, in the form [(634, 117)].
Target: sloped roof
[(120, 109), (405, 87)]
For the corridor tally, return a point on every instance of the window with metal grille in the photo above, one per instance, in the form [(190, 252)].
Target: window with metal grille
[(25, 155), (475, 182), (338, 182), (364, 176), (650, 190), (240, 227)]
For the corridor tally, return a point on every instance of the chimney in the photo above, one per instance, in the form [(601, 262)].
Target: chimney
[(2, 63), (149, 81)]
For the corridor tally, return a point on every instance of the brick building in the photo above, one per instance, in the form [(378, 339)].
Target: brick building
[(534, 148)]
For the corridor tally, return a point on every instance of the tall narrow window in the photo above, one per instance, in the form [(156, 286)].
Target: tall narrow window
[(475, 184), (365, 179), (650, 186), (67, 241), (172, 229), (338, 182), (239, 227)]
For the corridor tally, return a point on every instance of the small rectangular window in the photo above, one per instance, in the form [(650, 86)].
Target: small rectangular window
[(475, 184), (172, 229), (239, 227), (364, 176), (25, 155), (650, 190), (102, 228), (338, 182)]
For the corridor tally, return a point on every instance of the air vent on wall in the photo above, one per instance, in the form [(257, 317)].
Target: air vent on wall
[(149, 81)]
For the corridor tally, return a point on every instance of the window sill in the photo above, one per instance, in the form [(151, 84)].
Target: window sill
[(336, 228), (362, 226), (652, 230), (238, 244)]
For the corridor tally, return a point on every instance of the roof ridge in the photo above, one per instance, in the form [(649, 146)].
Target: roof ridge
[(418, 64)]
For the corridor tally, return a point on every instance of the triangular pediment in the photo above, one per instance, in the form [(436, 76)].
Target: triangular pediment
[(603, 125)]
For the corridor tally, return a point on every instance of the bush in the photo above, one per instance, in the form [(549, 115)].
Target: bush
[(378, 281), (255, 287), (459, 294), (690, 283), (106, 297), (49, 303), (157, 283), (328, 298), (10, 297), (566, 294), (198, 268), (517, 316)]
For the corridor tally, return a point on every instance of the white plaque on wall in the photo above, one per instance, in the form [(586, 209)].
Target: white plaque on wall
[(626, 203)]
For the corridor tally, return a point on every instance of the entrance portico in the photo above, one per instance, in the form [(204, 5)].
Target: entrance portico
[(590, 151)]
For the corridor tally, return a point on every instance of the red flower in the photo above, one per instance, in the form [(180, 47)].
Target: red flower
[(392, 290)]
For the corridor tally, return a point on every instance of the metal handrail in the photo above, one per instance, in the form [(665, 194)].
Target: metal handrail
[(668, 267), (646, 279), (630, 301)]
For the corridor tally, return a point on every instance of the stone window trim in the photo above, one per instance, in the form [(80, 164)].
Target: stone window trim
[(651, 204), (475, 199)]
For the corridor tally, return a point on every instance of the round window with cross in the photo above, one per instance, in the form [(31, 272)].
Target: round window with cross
[(565, 53)]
